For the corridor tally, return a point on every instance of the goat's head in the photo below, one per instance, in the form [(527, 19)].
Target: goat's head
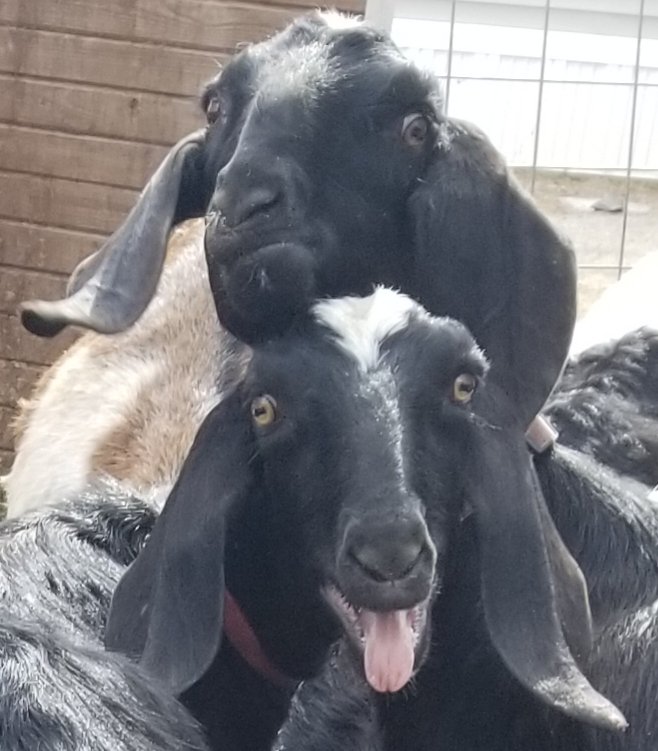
[(327, 166), (327, 488)]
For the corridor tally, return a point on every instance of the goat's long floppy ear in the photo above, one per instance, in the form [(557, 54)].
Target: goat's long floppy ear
[(110, 290), (571, 596), (485, 255), (168, 608), (535, 607)]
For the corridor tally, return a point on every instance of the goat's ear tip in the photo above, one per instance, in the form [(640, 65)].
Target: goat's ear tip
[(619, 721), (588, 705), (34, 317), (610, 718)]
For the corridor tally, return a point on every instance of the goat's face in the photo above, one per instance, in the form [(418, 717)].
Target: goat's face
[(346, 422), (326, 167), (322, 135), (325, 486)]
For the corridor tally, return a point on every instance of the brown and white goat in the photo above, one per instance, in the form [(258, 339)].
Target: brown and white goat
[(128, 405)]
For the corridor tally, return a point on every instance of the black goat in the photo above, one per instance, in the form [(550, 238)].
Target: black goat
[(327, 491), (329, 166), (59, 689), (464, 698)]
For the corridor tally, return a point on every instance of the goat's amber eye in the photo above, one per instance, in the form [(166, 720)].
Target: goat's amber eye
[(213, 109), (263, 410), (463, 388), (415, 129)]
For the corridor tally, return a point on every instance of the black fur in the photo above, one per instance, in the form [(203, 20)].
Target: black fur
[(60, 690), (606, 405)]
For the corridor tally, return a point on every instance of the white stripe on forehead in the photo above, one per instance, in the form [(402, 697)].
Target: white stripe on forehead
[(337, 20), (362, 323)]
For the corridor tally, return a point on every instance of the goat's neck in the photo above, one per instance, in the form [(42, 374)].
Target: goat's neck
[(610, 527), (264, 573), (239, 709), (269, 575)]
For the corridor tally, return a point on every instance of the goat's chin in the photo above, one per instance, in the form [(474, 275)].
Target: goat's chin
[(258, 293), (391, 645)]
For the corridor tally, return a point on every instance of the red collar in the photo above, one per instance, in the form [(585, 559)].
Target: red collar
[(244, 641)]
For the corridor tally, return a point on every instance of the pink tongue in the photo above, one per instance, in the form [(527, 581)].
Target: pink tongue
[(389, 652)]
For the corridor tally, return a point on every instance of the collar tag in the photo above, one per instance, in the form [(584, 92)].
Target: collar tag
[(541, 435)]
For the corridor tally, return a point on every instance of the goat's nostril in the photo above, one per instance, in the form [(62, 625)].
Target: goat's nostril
[(257, 202), (232, 208), (390, 562)]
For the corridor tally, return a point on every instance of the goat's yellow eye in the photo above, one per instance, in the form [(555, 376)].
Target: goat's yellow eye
[(463, 388), (263, 410)]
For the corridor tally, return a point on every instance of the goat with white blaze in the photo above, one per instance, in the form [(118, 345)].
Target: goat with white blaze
[(324, 494), (364, 477)]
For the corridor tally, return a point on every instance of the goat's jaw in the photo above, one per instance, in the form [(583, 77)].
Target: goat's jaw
[(389, 642)]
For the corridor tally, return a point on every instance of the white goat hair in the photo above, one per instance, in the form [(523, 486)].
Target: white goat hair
[(629, 304), (127, 405)]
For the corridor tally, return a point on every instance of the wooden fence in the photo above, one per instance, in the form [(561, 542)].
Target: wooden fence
[(93, 92)]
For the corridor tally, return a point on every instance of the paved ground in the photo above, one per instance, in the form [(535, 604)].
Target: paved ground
[(569, 198)]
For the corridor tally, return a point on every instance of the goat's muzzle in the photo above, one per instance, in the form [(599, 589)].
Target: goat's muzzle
[(387, 564), (385, 578)]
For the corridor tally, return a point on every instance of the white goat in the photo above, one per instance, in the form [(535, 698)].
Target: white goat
[(629, 304)]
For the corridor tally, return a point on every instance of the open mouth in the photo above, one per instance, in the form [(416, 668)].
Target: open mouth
[(388, 640)]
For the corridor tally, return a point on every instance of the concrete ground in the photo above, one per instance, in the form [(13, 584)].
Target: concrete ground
[(569, 200)]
